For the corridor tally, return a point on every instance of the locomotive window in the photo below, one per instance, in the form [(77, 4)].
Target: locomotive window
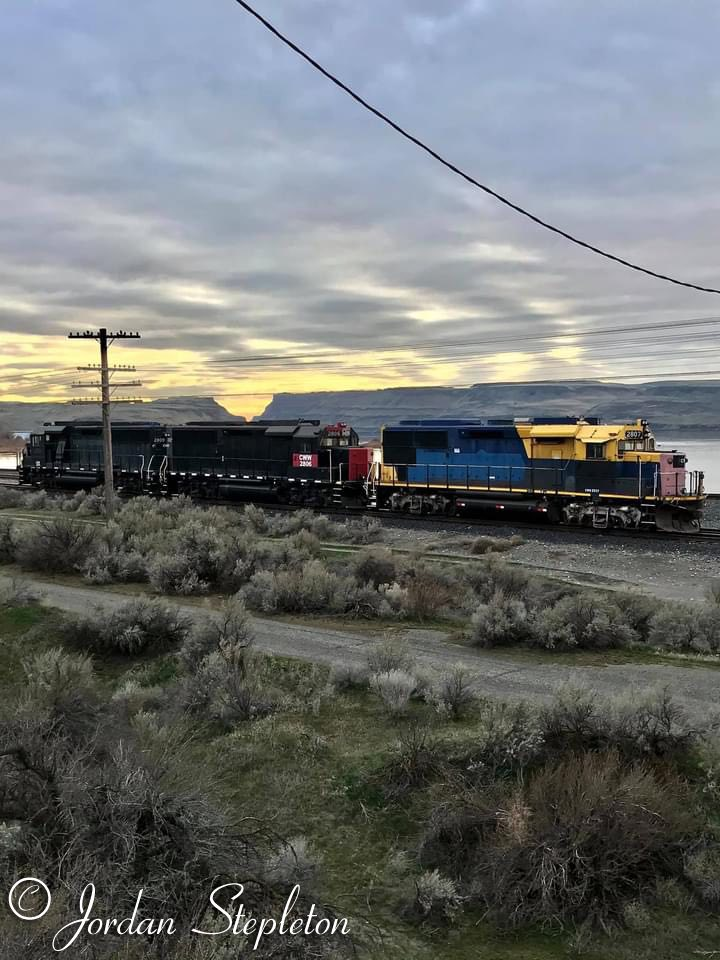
[(595, 451)]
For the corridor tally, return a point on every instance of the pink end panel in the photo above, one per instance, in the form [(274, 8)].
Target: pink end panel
[(672, 479)]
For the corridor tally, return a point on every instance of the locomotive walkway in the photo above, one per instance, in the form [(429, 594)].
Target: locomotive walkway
[(529, 678)]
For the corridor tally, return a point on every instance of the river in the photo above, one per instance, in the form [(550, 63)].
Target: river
[(702, 455)]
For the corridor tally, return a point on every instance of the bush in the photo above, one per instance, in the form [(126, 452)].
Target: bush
[(175, 574), (229, 633), (583, 838), (308, 589), (7, 544), (136, 627), (455, 693), (389, 654), (702, 869), (13, 593), (62, 687), (416, 761), (375, 565), (681, 626), (55, 546), (427, 593), (436, 899), (222, 691), (348, 678), (394, 689), (584, 621), (508, 742), (500, 622), (494, 575), (293, 862), (713, 591), (481, 545), (643, 725)]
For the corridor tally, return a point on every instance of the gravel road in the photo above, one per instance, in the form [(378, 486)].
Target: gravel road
[(698, 688)]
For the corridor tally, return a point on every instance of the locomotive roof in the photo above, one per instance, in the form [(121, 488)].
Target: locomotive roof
[(496, 422)]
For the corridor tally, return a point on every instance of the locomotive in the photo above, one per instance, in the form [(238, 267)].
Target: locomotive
[(572, 470), (566, 470), (273, 461)]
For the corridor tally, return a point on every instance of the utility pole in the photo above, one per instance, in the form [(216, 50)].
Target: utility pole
[(105, 339)]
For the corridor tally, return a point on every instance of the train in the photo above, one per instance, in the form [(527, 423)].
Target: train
[(564, 470)]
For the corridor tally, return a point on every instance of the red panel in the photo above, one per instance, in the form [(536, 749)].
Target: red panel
[(359, 460)]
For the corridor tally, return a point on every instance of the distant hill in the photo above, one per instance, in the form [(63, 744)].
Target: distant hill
[(681, 409), (24, 417)]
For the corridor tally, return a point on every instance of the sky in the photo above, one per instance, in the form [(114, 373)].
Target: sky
[(170, 167)]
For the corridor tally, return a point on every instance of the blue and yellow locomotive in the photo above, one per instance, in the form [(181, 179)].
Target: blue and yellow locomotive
[(572, 470)]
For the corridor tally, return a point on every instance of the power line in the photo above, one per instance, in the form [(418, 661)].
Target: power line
[(482, 341), (457, 170)]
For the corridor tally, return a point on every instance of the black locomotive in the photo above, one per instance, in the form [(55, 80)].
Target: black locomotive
[(285, 461)]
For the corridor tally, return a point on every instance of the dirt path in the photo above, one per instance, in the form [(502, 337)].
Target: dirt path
[(698, 688)]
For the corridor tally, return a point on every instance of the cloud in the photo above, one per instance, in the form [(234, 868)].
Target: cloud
[(179, 171)]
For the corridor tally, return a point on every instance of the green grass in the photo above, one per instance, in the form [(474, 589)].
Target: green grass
[(16, 644), (306, 771)]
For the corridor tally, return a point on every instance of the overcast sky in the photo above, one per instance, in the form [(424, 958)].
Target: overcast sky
[(169, 166)]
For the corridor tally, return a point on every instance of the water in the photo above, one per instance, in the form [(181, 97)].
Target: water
[(702, 455)]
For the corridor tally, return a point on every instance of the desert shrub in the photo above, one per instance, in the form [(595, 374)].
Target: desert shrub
[(7, 544), (454, 695), (416, 761), (643, 725), (10, 498), (375, 565), (133, 698), (175, 574), (228, 632), (360, 531), (347, 678), (483, 544), (112, 562), (293, 862), (389, 654), (14, 593), (702, 869), (55, 546), (508, 742), (713, 590), (436, 899), (221, 691), (137, 627), (62, 686), (682, 626), (307, 589), (585, 621), (500, 622), (363, 602), (580, 840), (395, 688), (255, 518), (638, 610), (427, 592)]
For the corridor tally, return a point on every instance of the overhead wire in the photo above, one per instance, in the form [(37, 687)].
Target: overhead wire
[(457, 170)]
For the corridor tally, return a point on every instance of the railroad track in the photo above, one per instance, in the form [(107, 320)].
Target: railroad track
[(9, 478)]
